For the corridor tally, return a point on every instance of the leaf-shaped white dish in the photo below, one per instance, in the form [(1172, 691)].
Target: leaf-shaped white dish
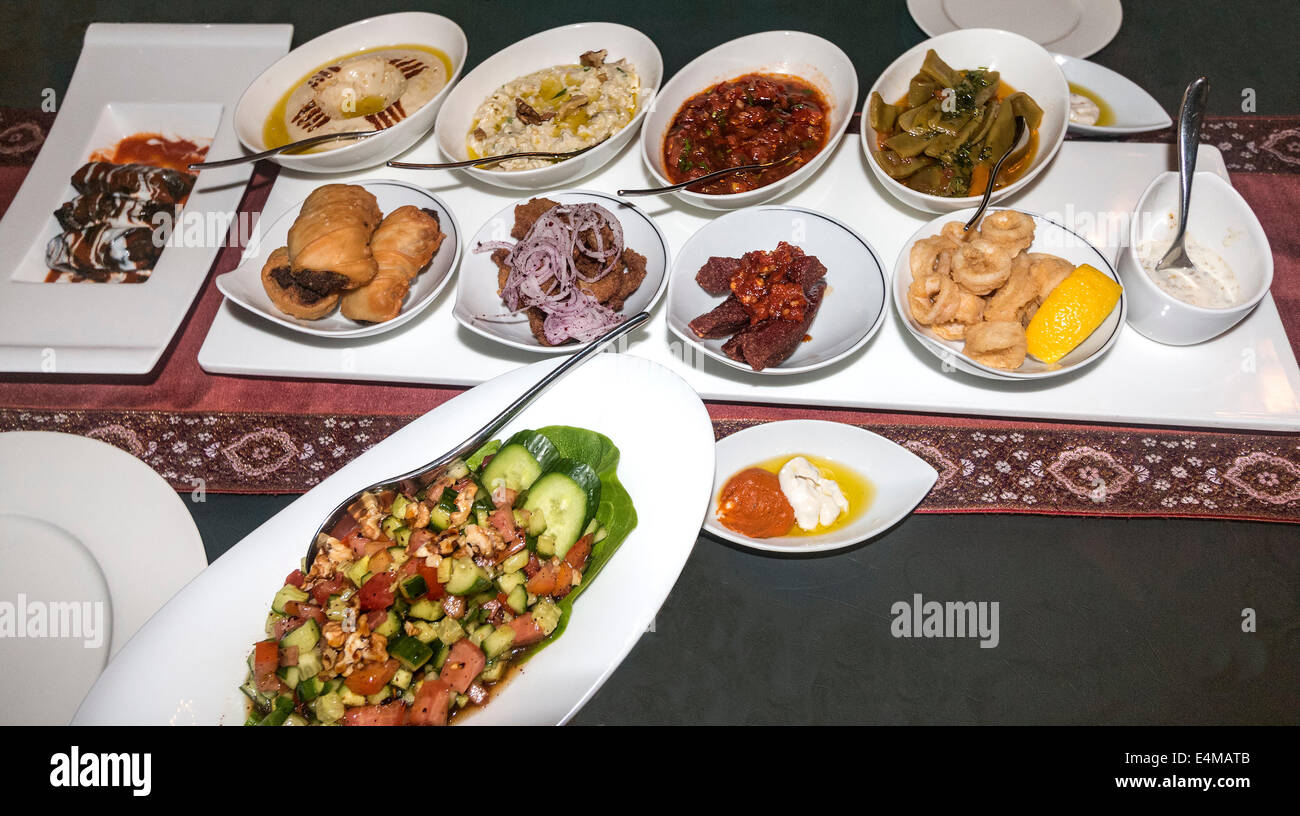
[(1134, 110), (900, 478)]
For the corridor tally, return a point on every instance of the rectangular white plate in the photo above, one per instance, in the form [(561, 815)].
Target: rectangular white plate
[(1244, 379), (175, 79)]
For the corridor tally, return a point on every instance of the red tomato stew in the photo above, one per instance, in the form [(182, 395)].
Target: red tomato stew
[(751, 119)]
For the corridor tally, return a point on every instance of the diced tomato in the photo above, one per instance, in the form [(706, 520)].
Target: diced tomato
[(392, 713), (377, 592), (344, 527), (266, 659), (431, 704), (577, 555), (380, 561), (430, 576), (321, 592), (302, 610), (533, 565), (477, 693), (296, 578), (289, 656), (503, 497), (375, 618), (527, 632), (543, 581), (464, 662), (418, 539), (563, 580), (371, 677)]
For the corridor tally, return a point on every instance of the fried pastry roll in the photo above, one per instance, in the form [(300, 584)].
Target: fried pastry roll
[(402, 247)]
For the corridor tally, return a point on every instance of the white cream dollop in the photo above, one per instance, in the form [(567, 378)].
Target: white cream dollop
[(817, 500), (1083, 111)]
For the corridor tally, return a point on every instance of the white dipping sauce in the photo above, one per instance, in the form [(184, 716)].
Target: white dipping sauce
[(817, 500), (1083, 111), (1209, 283)]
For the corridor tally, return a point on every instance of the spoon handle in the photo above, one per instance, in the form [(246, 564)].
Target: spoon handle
[(308, 142), (1189, 139), (1022, 130)]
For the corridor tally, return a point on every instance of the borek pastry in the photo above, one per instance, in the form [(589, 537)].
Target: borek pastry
[(402, 247)]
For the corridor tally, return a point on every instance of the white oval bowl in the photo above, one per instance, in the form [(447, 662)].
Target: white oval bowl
[(901, 478), (403, 28), (853, 306), (1221, 220), (243, 285), (1135, 109), (476, 291), (557, 46), (1023, 64), (817, 61), (1049, 237)]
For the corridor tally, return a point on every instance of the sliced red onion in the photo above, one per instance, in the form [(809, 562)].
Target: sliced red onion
[(546, 254)]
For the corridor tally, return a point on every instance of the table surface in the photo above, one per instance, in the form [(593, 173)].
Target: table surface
[(1101, 619)]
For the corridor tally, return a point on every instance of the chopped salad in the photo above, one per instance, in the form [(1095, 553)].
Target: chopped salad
[(419, 601)]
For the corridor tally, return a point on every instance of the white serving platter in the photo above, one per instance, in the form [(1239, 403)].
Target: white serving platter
[(174, 79), (1246, 378), (173, 672)]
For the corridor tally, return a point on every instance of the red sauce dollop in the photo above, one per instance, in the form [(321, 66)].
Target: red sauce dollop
[(753, 505), (153, 149)]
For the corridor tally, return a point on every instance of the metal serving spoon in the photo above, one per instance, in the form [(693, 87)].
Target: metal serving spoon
[(493, 159), (429, 473), (1022, 135), (301, 144), (1189, 139), (709, 177)]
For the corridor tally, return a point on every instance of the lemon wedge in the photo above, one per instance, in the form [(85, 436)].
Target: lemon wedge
[(1073, 310)]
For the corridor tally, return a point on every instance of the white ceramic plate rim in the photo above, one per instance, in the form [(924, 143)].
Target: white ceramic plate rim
[(795, 179), (1067, 62), (942, 350), (255, 257), (108, 526), (683, 277), (507, 212), (931, 18), (400, 127), (838, 540), (131, 689)]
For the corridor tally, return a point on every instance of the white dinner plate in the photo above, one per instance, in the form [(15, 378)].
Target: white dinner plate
[(1079, 28), (186, 665), (194, 75), (900, 478), (479, 307), (1049, 237), (852, 306), (92, 543), (1135, 110), (243, 285)]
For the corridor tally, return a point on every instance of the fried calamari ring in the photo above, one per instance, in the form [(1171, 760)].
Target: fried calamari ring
[(981, 266), (1011, 230), (1047, 271), (997, 344), (1016, 296), (933, 299), (969, 312), (931, 255), (956, 232)]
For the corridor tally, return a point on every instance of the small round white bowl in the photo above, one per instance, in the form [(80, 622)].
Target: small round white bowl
[(1049, 237), (243, 285), (817, 61), (1023, 64), (403, 28), (1221, 220), (478, 304), (1135, 110), (852, 308), (556, 46), (901, 478)]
